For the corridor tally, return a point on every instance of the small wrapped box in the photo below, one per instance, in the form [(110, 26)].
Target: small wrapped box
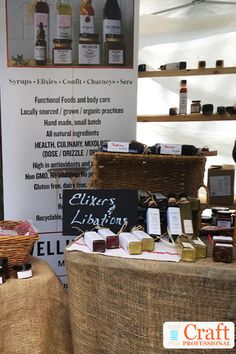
[(148, 242), (111, 239), (94, 241), (187, 251), (130, 243), (201, 248)]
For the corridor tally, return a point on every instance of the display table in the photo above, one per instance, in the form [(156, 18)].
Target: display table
[(118, 306), (34, 314)]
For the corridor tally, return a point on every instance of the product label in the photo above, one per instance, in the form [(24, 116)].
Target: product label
[(62, 56), (64, 26), (170, 149), (188, 226), (153, 221), (220, 186), (183, 103), (174, 221), (224, 224), (117, 146), (86, 24), (40, 53), (89, 54), (25, 274), (111, 27), (40, 18), (115, 56), (1, 280)]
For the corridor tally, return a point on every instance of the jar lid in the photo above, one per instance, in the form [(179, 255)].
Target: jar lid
[(224, 212), (114, 36), (22, 267), (196, 101), (216, 209), (62, 41), (93, 36), (3, 261), (183, 82)]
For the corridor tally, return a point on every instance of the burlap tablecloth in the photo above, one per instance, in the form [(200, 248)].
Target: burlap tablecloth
[(34, 314), (118, 306)]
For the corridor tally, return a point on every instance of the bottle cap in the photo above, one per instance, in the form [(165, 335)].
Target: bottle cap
[(183, 82)]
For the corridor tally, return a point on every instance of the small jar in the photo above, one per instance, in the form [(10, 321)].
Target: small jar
[(4, 266), (22, 271), (62, 52), (196, 107), (88, 49), (214, 212), (224, 219), (3, 277), (115, 49)]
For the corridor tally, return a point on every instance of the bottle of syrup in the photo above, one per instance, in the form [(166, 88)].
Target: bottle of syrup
[(86, 17), (64, 13), (40, 51), (41, 15), (111, 18), (183, 97)]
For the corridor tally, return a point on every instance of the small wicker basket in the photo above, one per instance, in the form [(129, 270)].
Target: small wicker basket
[(16, 248)]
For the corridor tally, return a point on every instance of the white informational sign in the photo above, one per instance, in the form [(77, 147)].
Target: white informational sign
[(54, 117)]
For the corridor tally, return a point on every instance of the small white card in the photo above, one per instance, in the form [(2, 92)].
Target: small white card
[(171, 149), (114, 146)]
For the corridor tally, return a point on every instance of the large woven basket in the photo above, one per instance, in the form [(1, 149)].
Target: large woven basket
[(16, 248), (155, 173)]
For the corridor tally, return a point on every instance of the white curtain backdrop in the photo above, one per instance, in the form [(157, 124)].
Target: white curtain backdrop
[(198, 32)]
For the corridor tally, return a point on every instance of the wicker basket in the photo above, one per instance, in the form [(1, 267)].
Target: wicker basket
[(155, 173), (16, 248)]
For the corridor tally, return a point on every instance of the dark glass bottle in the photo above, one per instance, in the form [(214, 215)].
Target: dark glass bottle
[(234, 152), (111, 18), (134, 147), (163, 149), (41, 15), (40, 47)]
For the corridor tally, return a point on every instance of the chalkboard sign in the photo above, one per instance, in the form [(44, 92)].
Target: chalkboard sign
[(86, 209)]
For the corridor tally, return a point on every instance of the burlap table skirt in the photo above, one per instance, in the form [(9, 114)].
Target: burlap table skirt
[(34, 314), (118, 306)]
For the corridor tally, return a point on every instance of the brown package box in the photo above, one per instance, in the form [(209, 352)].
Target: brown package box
[(221, 184)]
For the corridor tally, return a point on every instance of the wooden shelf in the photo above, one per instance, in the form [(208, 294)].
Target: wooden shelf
[(188, 72), (186, 118)]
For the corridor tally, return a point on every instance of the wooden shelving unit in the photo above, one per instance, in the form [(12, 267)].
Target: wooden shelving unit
[(186, 118), (188, 72)]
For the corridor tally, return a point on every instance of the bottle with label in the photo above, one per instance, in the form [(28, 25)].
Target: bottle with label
[(86, 17), (111, 18), (40, 51), (41, 15), (174, 226), (183, 97), (64, 13)]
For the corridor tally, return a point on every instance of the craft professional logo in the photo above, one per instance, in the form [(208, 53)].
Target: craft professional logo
[(198, 335)]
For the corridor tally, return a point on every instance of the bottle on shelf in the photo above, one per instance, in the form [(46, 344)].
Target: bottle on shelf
[(234, 151), (41, 15), (111, 18), (183, 97), (86, 17), (174, 149), (64, 13), (40, 51)]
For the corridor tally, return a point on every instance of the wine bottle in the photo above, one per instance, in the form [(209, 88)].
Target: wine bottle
[(111, 18), (86, 17), (64, 13), (174, 149), (40, 52), (183, 97)]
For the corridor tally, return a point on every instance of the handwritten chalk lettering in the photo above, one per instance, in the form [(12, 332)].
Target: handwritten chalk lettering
[(88, 208), (93, 220), (90, 200)]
